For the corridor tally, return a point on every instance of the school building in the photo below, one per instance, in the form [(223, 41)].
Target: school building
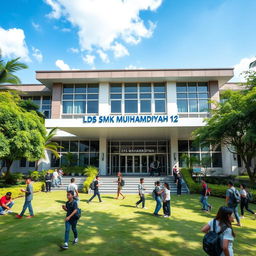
[(129, 120)]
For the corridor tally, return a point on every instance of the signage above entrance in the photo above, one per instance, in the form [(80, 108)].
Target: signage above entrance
[(131, 119)]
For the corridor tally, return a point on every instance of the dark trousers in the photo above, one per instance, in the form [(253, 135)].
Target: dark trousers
[(167, 208), (175, 177), (245, 204), (27, 204), (142, 200), (179, 189), (68, 224), (48, 185), (96, 193)]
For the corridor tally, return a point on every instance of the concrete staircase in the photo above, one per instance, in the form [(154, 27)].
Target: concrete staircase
[(109, 185)]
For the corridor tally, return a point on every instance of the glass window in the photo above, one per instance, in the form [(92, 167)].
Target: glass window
[(65, 145), (116, 96), (94, 146), (159, 87), (46, 99), (182, 106), (84, 159), (73, 146), (116, 106), (23, 162), (160, 106), (206, 159), (80, 89), (216, 160), (193, 146), (181, 87), (55, 162), (193, 106), (67, 107), (68, 89), (130, 87), (92, 107), (93, 88), (203, 105), (145, 106), (131, 106), (84, 146), (94, 159), (183, 145), (32, 164), (192, 87), (145, 96), (145, 87), (79, 107), (115, 88), (202, 87)]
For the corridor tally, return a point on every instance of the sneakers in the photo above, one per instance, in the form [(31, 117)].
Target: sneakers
[(136, 206), (75, 241), (30, 216), (9, 211), (18, 217), (65, 246), (166, 216), (144, 208)]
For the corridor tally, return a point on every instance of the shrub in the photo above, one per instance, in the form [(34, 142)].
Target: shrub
[(15, 190), (91, 172), (216, 190), (12, 178), (73, 169), (35, 175)]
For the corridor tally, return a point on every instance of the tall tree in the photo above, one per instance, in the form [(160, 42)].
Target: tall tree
[(22, 132), (8, 70), (233, 123)]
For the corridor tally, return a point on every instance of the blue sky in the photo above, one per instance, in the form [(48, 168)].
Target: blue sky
[(112, 34)]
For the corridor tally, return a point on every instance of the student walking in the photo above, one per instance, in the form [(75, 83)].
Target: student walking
[(120, 185), (157, 193), (179, 184), (175, 172), (73, 187), (221, 225), (60, 175), (71, 219), (167, 200), (141, 189), (48, 181), (55, 178), (96, 191), (245, 200), (6, 204), (204, 196), (232, 200), (28, 200)]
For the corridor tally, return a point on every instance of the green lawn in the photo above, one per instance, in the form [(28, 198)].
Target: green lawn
[(116, 228)]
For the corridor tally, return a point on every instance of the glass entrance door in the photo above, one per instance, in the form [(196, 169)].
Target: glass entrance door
[(137, 164)]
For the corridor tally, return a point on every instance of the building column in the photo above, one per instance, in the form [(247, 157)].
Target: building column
[(103, 156), (104, 107), (214, 92), (56, 100), (229, 162), (171, 99), (174, 159)]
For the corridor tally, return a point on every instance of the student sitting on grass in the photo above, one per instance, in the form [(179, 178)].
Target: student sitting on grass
[(71, 218), (6, 204), (223, 228)]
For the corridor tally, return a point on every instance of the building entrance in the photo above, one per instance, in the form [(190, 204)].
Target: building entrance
[(138, 157)]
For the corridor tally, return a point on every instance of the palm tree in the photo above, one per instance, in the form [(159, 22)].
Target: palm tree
[(7, 70), (50, 145), (252, 64)]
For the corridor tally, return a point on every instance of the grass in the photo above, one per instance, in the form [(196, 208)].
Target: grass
[(116, 228)]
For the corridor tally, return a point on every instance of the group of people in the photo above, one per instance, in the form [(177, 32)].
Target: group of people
[(53, 179)]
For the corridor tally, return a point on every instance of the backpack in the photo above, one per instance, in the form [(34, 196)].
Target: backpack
[(212, 241), (154, 194), (235, 196), (78, 214), (92, 186), (122, 183), (249, 197)]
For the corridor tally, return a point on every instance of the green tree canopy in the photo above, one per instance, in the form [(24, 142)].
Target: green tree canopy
[(233, 123), (22, 131)]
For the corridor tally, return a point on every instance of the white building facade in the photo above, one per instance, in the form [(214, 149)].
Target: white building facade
[(123, 120)]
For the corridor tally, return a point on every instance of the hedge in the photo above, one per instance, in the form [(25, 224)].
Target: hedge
[(216, 190), (15, 190)]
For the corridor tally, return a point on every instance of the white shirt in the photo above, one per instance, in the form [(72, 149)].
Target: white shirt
[(72, 187), (141, 188), (167, 194), (227, 235), (55, 175), (243, 193)]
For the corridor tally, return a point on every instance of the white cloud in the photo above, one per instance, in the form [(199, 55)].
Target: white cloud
[(89, 59), (106, 25), (133, 67), (36, 26), (119, 50), (13, 44), (242, 66), (37, 54), (66, 30), (73, 50), (103, 56), (62, 65)]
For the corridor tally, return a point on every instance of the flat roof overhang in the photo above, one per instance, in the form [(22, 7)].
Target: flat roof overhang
[(48, 78), (183, 129)]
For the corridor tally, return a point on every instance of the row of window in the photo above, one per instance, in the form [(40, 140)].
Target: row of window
[(44, 103)]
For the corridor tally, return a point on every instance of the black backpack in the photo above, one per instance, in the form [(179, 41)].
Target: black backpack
[(122, 183), (92, 186), (235, 196), (212, 241), (249, 196), (78, 214)]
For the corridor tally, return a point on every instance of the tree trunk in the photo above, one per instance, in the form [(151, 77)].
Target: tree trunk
[(251, 173), (8, 166)]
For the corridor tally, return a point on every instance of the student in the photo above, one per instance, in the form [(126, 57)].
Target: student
[(73, 187), (158, 191), (152, 168), (141, 189), (96, 190), (48, 181), (120, 184), (223, 224), (6, 204), (28, 200), (166, 200), (232, 200), (179, 184), (55, 178), (175, 173), (60, 175), (244, 203), (204, 196), (71, 208)]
